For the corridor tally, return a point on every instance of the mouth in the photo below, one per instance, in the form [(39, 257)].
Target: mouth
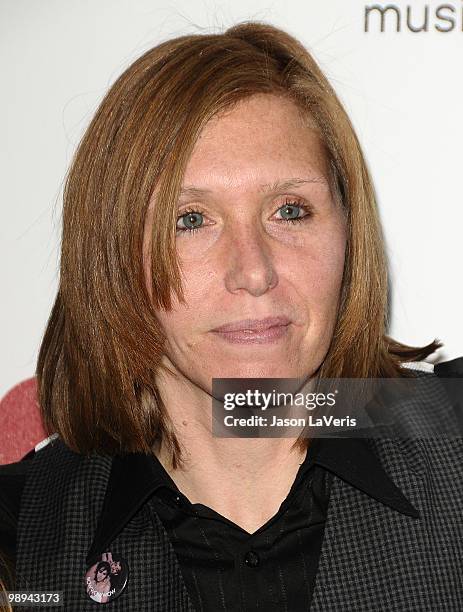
[(254, 331)]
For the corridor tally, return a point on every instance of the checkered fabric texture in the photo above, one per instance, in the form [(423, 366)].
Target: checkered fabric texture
[(373, 558), (61, 503)]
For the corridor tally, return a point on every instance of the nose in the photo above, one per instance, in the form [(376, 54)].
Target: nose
[(249, 260)]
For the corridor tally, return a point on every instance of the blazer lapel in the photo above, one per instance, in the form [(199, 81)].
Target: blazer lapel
[(62, 502)]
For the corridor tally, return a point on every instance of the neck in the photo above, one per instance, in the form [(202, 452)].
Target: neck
[(243, 479)]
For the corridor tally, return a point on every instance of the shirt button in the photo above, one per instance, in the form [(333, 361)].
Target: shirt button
[(251, 559), (178, 500)]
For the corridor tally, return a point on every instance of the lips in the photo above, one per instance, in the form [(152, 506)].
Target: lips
[(253, 325)]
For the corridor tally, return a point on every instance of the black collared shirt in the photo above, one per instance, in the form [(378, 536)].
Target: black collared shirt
[(224, 567)]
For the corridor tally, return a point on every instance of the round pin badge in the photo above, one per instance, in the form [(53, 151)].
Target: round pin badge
[(106, 578)]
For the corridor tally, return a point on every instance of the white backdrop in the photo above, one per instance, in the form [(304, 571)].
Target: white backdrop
[(402, 89)]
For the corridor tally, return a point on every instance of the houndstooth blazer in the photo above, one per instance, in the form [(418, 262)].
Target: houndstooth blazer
[(373, 558)]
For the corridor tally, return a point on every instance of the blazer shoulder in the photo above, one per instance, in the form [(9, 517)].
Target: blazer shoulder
[(12, 479), (450, 369), (451, 375)]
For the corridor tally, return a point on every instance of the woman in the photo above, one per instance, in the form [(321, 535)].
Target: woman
[(99, 585), (219, 221)]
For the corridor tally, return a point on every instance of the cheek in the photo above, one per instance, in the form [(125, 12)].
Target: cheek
[(320, 267), (318, 282), (327, 275), (199, 283)]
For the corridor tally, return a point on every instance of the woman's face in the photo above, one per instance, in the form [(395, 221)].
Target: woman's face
[(101, 574), (244, 257), (115, 567)]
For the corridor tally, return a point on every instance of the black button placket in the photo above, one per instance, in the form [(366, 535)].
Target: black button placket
[(251, 559)]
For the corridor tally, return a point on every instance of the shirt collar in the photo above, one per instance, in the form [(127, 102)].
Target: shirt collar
[(353, 460), (135, 477)]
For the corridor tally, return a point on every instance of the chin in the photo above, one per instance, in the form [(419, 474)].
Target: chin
[(243, 370)]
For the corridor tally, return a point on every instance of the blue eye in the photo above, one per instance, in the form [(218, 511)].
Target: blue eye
[(192, 221), (291, 211)]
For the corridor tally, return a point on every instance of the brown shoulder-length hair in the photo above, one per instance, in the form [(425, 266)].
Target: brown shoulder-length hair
[(103, 345)]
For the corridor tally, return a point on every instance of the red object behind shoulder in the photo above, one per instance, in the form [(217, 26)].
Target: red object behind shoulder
[(21, 426)]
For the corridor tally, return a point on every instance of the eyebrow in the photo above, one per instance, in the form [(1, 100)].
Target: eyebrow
[(196, 192)]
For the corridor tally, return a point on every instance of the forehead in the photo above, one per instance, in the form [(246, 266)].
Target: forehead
[(259, 139)]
